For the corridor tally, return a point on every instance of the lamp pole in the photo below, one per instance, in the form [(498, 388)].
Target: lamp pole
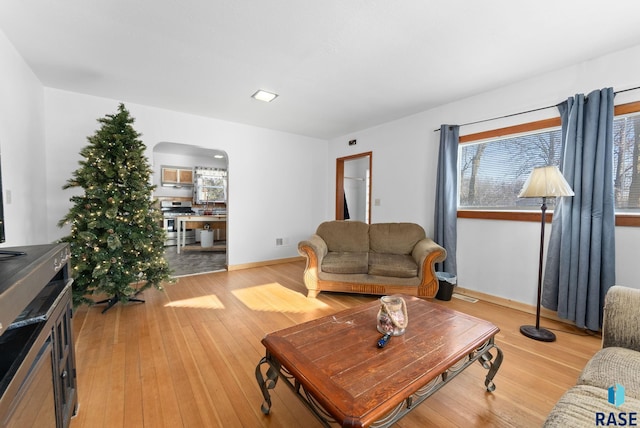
[(530, 331), (543, 182)]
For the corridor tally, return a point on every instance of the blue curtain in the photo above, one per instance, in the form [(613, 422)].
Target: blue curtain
[(580, 265), (446, 210)]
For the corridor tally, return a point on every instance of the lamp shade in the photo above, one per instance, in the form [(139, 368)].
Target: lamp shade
[(545, 182)]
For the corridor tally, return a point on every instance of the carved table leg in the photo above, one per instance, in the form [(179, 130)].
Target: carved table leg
[(492, 366), (268, 383)]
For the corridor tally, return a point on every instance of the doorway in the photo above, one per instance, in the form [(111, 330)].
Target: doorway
[(353, 187), (189, 161)]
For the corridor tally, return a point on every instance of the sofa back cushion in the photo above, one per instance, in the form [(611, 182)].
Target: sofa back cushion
[(345, 236), (395, 238)]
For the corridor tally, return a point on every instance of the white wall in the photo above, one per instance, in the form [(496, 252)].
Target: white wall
[(21, 149), (277, 181), (403, 166), (494, 257)]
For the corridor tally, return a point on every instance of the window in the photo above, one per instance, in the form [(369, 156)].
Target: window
[(492, 173), (493, 165), (626, 162), (210, 185)]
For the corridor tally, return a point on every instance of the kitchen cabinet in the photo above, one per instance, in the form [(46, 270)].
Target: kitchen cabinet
[(177, 176)]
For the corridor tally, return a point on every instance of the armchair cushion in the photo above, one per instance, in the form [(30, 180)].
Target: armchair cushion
[(611, 365), (579, 405)]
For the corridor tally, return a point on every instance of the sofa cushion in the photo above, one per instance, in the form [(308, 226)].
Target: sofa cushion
[(342, 236), (579, 405), (398, 265), (620, 321), (345, 262), (395, 238), (613, 365)]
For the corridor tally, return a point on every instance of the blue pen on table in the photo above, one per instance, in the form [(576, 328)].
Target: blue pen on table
[(384, 340)]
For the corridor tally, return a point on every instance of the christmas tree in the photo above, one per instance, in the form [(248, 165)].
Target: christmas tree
[(117, 239)]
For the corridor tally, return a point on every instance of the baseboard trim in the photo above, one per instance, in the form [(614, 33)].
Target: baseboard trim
[(264, 263), (511, 304)]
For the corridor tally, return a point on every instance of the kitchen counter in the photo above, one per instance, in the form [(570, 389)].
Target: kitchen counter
[(183, 219)]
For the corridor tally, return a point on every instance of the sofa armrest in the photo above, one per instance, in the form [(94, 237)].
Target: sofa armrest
[(621, 322), (313, 249), (427, 253), (316, 244)]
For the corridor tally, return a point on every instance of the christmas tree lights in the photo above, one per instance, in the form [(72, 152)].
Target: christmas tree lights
[(116, 239)]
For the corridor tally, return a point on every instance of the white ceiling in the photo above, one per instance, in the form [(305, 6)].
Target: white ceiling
[(338, 65)]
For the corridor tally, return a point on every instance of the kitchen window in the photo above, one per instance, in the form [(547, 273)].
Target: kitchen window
[(210, 185)]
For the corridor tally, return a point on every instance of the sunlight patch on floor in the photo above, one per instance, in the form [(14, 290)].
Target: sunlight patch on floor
[(274, 297), (210, 301)]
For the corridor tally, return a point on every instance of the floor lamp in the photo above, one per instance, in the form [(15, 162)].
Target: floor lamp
[(544, 182)]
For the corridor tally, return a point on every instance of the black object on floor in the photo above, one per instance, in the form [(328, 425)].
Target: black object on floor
[(115, 299)]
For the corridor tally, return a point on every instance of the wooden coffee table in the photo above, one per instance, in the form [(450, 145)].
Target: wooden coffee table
[(334, 366)]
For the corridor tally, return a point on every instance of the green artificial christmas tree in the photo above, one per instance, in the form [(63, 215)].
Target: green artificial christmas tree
[(117, 239)]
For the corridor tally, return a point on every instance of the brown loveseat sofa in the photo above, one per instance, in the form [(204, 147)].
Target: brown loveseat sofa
[(617, 363), (382, 258)]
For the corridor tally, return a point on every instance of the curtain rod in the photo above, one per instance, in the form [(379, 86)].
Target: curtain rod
[(528, 111)]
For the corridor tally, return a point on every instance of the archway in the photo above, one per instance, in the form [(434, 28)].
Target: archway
[(177, 170)]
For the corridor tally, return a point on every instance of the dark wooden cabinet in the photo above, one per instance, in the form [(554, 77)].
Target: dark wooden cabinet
[(37, 362)]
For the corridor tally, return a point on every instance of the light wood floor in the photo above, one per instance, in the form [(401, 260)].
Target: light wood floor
[(186, 358)]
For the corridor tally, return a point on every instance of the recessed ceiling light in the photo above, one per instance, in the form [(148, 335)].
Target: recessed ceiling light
[(264, 96)]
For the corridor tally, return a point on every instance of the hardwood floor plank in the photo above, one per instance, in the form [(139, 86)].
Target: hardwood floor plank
[(116, 399), (102, 381), (88, 345), (186, 358), (220, 386), (191, 396), (149, 403), (133, 335), (164, 375)]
